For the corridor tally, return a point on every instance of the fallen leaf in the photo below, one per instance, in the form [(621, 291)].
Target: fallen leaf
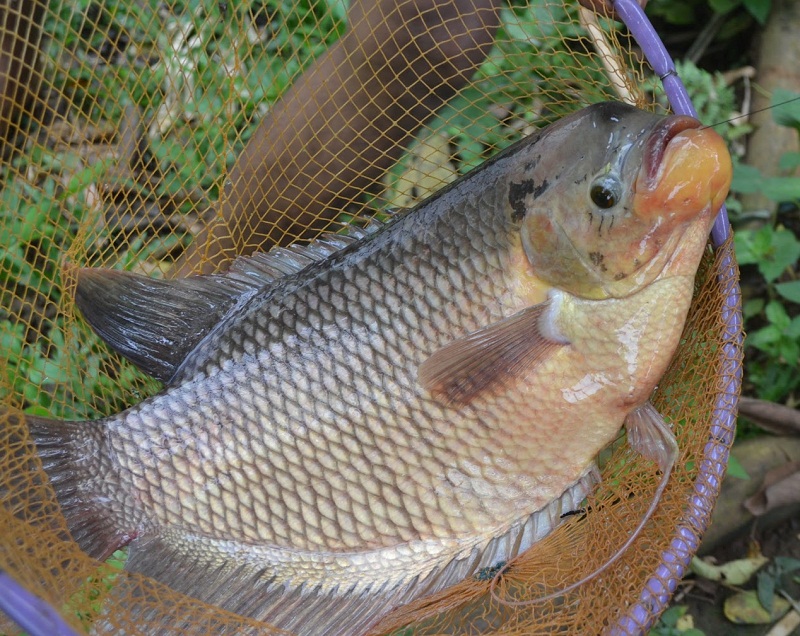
[(781, 487), (685, 623), (429, 168), (743, 608), (736, 572)]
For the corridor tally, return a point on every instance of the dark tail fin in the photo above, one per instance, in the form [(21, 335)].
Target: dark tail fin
[(75, 457)]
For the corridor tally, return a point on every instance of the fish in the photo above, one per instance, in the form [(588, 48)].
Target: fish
[(351, 424)]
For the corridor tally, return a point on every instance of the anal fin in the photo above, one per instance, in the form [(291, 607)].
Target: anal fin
[(250, 589)]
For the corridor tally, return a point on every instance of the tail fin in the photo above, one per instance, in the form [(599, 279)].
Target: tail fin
[(75, 457)]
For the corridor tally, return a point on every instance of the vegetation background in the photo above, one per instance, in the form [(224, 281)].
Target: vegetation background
[(750, 49)]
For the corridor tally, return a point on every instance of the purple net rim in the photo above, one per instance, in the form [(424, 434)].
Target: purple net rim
[(30, 612), (675, 561), (37, 617)]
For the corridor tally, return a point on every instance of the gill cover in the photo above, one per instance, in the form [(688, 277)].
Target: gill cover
[(618, 199)]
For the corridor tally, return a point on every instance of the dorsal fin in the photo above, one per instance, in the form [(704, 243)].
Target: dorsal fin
[(156, 323), (264, 267)]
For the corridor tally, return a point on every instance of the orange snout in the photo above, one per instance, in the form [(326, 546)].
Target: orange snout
[(694, 176)]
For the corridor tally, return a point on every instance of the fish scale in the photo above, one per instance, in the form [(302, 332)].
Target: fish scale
[(347, 426)]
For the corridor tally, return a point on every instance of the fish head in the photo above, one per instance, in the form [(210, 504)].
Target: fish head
[(605, 198)]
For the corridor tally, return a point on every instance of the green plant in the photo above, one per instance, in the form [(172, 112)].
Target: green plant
[(759, 9), (685, 12), (773, 333), (785, 108), (200, 73), (40, 351), (671, 624), (535, 45), (771, 314), (712, 97), (87, 602), (773, 577)]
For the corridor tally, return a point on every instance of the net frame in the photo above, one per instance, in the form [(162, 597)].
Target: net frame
[(659, 588)]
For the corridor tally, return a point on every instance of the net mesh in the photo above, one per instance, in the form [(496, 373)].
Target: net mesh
[(168, 136)]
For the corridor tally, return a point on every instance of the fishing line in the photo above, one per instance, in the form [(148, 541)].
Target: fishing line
[(598, 571), (752, 112)]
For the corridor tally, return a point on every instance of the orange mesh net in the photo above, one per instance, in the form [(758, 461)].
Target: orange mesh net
[(169, 136)]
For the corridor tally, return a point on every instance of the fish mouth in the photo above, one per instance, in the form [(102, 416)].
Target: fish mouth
[(656, 144), (686, 170)]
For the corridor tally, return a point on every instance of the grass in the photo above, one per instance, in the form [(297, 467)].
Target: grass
[(200, 73)]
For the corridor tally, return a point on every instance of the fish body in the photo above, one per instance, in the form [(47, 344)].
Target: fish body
[(350, 425)]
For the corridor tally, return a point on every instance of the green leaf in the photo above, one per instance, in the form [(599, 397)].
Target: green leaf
[(746, 179), (752, 246), (735, 468), (676, 11), (723, 6), (790, 352), (781, 189), (671, 616), (764, 337), (776, 314), (784, 250), (749, 180), (38, 409), (759, 9), (789, 161), (790, 290), (793, 330), (787, 565), (753, 307), (786, 107), (766, 589)]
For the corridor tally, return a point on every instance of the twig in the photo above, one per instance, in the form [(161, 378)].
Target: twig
[(775, 418), (795, 605), (705, 37), (614, 70), (789, 622)]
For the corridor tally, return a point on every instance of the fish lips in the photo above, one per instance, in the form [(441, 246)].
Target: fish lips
[(686, 172), (656, 145)]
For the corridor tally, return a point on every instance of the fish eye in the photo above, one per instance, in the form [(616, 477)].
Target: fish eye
[(606, 191)]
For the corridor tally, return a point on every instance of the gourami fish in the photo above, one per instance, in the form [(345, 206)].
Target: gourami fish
[(349, 425)]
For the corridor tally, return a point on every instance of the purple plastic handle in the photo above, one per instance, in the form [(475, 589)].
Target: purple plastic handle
[(675, 561), (30, 612)]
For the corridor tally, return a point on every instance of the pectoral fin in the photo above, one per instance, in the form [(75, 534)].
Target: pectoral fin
[(488, 357)]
